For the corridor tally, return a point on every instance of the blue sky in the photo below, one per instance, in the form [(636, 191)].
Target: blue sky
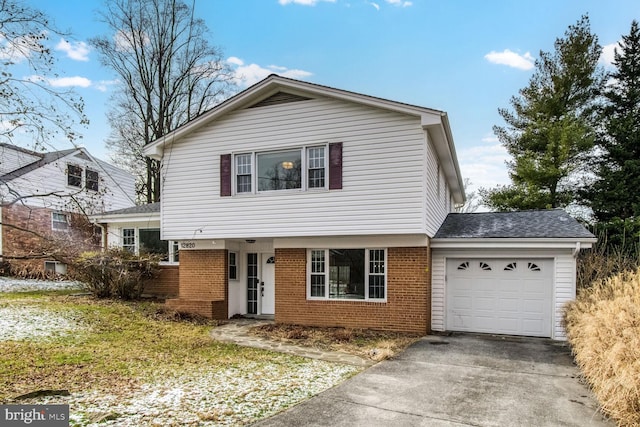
[(465, 57)]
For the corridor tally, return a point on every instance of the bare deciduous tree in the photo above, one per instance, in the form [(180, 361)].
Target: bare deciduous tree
[(168, 72), (30, 105)]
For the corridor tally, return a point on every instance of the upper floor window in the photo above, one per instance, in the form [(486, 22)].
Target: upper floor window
[(243, 173), (281, 170), (92, 179), (74, 176), (59, 221), (316, 167)]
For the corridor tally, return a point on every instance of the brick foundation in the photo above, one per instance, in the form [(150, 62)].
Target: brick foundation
[(166, 284), (28, 239), (203, 284), (408, 306)]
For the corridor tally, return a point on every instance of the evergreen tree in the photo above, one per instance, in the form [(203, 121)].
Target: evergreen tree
[(616, 191), (549, 132)]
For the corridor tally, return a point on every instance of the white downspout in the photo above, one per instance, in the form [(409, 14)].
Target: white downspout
[(576, 250)]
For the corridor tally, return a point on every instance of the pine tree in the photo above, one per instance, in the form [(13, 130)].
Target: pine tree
[(616, 192), (549, 133)]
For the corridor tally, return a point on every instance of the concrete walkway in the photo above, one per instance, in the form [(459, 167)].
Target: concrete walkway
[(237, 331)]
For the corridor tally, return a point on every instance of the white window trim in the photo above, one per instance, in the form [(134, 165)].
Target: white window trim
[(366, 277), (136, 234), (86, 181), (82, 171), (53, 222), (304, 185)]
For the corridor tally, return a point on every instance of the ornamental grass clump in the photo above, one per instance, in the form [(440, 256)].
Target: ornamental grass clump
[(116, 273), (603, 327)]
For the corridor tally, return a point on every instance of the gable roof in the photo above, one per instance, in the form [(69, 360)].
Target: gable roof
[(139, 209), (535, 224), (146, 212), (435, 122), (45, 159)]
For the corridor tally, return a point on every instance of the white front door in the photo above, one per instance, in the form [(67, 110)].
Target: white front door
[(267, 284)]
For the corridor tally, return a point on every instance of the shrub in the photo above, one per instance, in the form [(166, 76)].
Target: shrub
[(603, 327), (115, 273)]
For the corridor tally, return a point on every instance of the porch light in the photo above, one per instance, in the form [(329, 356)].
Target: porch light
[(287, 165)]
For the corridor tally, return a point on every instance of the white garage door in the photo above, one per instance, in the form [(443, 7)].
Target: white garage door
[(503, 296)]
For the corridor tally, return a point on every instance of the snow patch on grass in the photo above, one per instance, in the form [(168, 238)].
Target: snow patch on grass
[(238, 395), (12, 284), (32, 323)]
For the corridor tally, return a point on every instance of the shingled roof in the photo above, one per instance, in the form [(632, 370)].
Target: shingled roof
[(555, 223), (45, 159), (140, 209)]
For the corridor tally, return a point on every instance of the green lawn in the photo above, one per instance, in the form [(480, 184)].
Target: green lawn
[(111, 356)]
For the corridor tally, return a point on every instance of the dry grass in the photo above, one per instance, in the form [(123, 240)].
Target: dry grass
[(374, 345), (603, 326)]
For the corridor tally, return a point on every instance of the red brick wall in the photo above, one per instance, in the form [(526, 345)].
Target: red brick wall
[(166, 284), (408, 306), (204, 283), (40, 242)]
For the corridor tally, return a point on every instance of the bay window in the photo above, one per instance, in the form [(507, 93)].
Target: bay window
[(355, 274)]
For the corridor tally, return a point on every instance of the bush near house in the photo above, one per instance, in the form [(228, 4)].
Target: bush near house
[(603, 327), (116, 273)]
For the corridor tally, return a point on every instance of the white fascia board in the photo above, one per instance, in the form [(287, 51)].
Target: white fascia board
[(443, 143), (118, 218), (351, 242), (513, 243)]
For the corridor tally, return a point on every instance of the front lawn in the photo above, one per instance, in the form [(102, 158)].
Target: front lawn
[(131, 364)]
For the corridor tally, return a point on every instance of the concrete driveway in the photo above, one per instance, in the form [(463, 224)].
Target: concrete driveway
[(459, 380)]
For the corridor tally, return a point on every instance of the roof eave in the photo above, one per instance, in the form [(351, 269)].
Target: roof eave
[(512, 242), (132, 217), (273, 84)]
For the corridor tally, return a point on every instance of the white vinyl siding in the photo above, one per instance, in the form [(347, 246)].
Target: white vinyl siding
[(116, 186), (436, 193), (382, 171)]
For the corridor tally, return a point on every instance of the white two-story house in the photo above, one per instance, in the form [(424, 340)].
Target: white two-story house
[(46, 198), (319, 206)]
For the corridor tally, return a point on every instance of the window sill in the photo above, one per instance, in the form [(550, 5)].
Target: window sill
[(356, 300), (168, 263)]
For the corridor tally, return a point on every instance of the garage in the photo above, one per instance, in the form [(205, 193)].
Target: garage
[(506, 273), (503, 296)]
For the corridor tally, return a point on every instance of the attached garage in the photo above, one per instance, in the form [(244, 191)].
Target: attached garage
[(503, 296), (505, 273)]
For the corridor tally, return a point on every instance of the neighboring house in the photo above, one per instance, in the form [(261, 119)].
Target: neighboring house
[(137, 229), (318, 206), (45, 200)]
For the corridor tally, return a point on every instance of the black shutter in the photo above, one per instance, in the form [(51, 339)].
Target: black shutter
[(335, 166), (225, 175)]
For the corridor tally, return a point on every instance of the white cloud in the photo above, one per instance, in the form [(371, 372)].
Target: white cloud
[(20, 48), (400, 3), (248, 74), (103, 85), (376, 5), (235, 61), (490, 138), (607, 55), (78, 51), (303, 2), (70, 81), (511, 59), (485, 165)]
